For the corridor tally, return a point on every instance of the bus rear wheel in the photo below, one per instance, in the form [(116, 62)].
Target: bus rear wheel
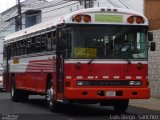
[(50, 97), (17, 95), (121, 106)]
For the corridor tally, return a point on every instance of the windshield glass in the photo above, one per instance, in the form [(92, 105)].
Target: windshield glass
[(111, 42)]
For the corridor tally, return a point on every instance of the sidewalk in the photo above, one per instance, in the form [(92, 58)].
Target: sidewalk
[(152, 103)]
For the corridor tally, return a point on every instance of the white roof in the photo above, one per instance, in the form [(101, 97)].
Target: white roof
[(29, 30), (65, 19)]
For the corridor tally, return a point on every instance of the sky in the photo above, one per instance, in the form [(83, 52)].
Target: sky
[(133, 4), (6, 4)]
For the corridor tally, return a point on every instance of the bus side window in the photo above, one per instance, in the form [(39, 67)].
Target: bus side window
[(44, 42), (28, 46), (12, 49), (9, 51), (17, 48), (24, 46), (53, 34), (21, 47), (38, 43), (49, 44), (32, 45)]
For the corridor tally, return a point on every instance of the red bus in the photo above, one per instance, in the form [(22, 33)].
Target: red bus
[(95, 55)]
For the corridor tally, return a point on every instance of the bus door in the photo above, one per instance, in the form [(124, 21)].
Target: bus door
[(63, 48), (6, 67), (59, 67)]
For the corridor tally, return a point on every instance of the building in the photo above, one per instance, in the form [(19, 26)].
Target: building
[(151, 11)]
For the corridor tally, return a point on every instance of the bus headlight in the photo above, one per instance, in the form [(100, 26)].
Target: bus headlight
[(83, 83), (135, 83)]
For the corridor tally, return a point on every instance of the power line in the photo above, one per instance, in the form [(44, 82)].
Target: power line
[(51, 10), (7, 27), (124, 4), (35, 15), (19, 16), (38, 14), (113, 3), (53, 5)]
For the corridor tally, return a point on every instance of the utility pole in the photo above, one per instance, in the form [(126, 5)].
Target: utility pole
[(19, 16)]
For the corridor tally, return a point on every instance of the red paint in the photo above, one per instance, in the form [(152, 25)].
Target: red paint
[(36, 81), (111, 70)]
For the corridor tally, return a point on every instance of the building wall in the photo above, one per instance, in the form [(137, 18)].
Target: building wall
[(151, 11), (154, 67)]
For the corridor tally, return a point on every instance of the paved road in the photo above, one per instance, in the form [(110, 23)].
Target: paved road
[(35, 109)]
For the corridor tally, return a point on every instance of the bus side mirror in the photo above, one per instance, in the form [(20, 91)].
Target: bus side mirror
[(150, 36), (152, 46)]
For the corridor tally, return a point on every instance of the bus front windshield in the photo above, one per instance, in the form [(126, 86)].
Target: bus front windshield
[(108, 42)]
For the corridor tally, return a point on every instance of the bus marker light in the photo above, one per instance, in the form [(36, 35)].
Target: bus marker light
[(138, 77), (135, 83), (130, 19), (78, 18), (128, 77), (116, 77), (68, 77), (90, 77), (139, 20), (115, 10), (79, 83), (79, 77), (109, 10), (102, 9), (105, 77), (83, 83), (87, 18)]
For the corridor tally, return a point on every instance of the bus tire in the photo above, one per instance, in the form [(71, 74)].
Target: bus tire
[(121, 106), (50, 97), (17, 95)]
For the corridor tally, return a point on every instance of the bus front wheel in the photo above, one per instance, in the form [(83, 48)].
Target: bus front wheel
[(50, 97)]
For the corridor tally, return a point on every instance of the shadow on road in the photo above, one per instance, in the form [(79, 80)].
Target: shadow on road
[(35, 107), (76, 109)]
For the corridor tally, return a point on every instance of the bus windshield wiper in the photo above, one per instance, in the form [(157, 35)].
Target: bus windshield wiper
[(90, 61), (128, 60)]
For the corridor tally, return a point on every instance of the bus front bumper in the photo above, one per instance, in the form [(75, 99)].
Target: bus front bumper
[(106, 93)]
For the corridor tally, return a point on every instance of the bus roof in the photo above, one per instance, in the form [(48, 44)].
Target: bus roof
[(68, 18)]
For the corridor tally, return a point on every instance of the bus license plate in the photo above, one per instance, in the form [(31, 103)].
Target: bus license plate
[(110, 93)]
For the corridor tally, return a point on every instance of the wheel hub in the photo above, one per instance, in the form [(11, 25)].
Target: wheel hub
[(50, 94)]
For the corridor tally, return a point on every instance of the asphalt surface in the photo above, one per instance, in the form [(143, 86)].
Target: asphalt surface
[(35, 109)]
